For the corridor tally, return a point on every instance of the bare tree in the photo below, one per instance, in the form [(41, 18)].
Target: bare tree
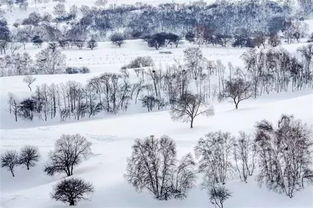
[(214, 152), (153, 166), (237, 89), (29, 156), (29, 80), (69, 151), (72, 190), (10, 160), (188, 107), (284, 155), (244, 156)]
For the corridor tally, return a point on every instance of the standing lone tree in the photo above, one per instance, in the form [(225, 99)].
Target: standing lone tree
[(10, 160), (238, 90), (153, 166), (117, 39), (72, 190), (29, 156), (188, 107), (69, 151), (29, 80)]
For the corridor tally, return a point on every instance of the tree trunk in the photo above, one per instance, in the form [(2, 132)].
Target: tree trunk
[(12, 172), (191, 123)]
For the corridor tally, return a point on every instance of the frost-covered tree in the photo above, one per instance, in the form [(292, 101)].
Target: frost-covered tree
[(188, 107), (72, 190), (284, 155), (59, 10), (29, 156), (244, 156), (70, 150), (50, 61), (117, 39), (153, 167), (29, 80), (10, 160)]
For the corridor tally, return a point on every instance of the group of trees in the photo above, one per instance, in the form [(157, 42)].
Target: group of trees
[(186, 88), (277, 70), (160, 25), (281, 158), (28, 156), (48, 61), (69, 151)]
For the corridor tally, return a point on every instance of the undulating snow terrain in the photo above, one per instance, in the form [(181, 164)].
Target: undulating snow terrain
[(112, 135)]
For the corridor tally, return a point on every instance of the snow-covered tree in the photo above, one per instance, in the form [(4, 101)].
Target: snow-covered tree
[(284, 155), (50, 61)]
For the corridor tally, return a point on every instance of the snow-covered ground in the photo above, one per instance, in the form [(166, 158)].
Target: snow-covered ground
[(113, 136), (112, 139)]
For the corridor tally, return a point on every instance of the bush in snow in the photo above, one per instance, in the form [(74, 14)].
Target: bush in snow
[(153, 167), (284, 155), (29, 156), (218, 195), (69, 151), (76, 70), (142, 61), (92, 44), (72, 190), (10, 160)]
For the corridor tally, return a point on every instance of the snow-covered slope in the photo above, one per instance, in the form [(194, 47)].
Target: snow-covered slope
[(112, 139)]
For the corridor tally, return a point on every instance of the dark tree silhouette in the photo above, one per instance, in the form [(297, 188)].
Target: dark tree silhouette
[(72, 190), (69, 151), (10, 160), (29, 156)]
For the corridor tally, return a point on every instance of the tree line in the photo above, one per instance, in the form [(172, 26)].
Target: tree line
[(186, 88)]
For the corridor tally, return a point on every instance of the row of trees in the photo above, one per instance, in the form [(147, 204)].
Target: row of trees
[(281, 155), (48, 61), (192, 84)]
